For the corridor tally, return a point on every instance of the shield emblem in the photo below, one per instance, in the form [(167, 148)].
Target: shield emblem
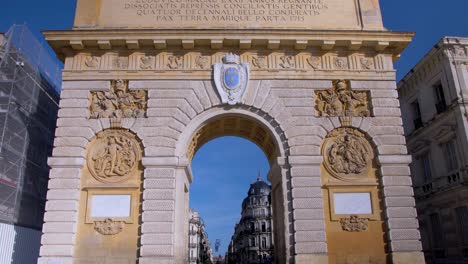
[(231, 77)]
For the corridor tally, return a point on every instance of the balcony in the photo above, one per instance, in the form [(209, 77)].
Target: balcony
[(441, 184), (193, 245)]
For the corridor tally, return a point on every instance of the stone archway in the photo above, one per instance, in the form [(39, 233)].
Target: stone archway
[(257, 127)]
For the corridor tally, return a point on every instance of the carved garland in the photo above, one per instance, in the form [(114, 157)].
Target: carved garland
[(113, 156), (119, 102), (347, 154), (108, 227), (340, 100), (354, 224)]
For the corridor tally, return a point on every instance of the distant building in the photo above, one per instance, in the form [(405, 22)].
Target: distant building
[(433, 98), (252, 241), (29, 84), (199, 245)]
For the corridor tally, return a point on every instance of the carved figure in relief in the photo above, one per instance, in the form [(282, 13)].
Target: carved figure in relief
[(113, 156), (108, 227), (202, 62), (259, 62), (314, 62), (347, 153), (119, 102), (340, 100), (287, 62), (146, 62), (458, 51), (354, 224), (341, 63), (367, 63), (120, 63), (174, 62), (92, 61)]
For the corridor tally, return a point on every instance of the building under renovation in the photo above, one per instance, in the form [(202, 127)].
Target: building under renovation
[(29, 85)]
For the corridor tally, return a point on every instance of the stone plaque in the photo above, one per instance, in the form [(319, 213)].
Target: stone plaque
[(352, 203), (229, 14), (104, 206)]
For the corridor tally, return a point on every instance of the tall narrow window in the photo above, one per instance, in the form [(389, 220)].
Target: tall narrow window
[(441, 106), (462, 216), (263, 227), (426, 167), (264, 242), (417, 120), (450, 154), (437, 235)]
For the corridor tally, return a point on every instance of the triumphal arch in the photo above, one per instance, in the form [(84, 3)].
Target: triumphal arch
[(311, 82)]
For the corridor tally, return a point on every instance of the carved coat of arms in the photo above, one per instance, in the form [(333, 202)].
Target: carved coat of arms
[(231, 79)]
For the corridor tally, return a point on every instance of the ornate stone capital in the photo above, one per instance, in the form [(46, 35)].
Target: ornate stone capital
[(119, 102), (340, 100), (114, 155), (109, 227)]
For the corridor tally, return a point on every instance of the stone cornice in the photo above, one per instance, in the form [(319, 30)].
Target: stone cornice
[(78, 40)]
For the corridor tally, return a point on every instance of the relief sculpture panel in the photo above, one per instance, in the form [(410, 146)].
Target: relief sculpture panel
[(340, 100), (119, 102), (347, 153), (113, 156)]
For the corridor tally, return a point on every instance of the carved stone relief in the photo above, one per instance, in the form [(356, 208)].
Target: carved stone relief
[(347, 154), (367, 63), (175, 62), (92, 61), (146, 62), (354, 224), (108, 227), (202, 62), (340, 63), (340, 100), (114, 155), (259, 62), (120, 63), (287, 62), (119, 102), (314, 62)]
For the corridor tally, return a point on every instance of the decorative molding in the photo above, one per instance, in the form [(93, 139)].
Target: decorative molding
[(340, 100), (113, 156), (201, 61), (354, 224), (119, 102), (109, 227), (347, 154)]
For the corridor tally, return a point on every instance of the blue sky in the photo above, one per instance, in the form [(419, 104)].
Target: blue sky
[(224, 168)]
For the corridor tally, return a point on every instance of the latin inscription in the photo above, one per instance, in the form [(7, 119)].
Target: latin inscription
[(247, 11)]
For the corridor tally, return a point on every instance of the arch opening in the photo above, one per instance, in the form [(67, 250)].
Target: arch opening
[(263, 134)]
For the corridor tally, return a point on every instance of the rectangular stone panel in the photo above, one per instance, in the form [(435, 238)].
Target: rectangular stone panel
[(229, 14)]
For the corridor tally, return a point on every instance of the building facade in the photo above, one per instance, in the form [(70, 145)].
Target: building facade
[(147, 84), (434, 109), (28, 113), (199, 245), (252, 241)]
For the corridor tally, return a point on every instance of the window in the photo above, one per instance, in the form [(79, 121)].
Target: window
[(263, 227), (426, 167), (441, 106), (417, 120), (462, 216), (450, 155), (264, 243), (437, 234), (252, 242), (252, 227)]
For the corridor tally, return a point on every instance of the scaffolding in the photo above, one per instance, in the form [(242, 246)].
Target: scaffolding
[(30, 78)]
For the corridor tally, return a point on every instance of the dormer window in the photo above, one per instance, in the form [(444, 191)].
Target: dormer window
[(441, 106)]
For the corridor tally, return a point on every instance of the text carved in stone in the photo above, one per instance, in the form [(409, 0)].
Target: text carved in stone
[(119, 102), (114, 156), (340, 100)]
